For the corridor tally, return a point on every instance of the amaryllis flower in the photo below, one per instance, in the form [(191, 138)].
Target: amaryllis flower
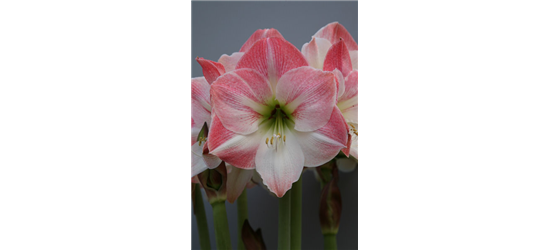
[(201, 159), (332, 48), (276, 114)]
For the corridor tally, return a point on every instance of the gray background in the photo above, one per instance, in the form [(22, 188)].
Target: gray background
[(221, 28), (455, 142)]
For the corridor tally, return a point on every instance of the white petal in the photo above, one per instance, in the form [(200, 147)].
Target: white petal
[(280, 165)]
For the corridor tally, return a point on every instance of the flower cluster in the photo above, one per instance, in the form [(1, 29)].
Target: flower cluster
[(269, 110)]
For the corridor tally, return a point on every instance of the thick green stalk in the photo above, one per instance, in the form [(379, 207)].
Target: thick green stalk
[(221, 226), (242, 204), (330, 242), (201, 221), (296, 215), (284, 221)]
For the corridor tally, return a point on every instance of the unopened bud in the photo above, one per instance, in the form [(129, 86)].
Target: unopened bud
[(252, 240), (214, 182)]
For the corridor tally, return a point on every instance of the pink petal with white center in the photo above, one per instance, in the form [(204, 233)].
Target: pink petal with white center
[(324, 144), (280, 165), (258, 35), (235, 149), (354, 58), (338, 58), (240, 100), (348, 102), (237, 180), (272, 57), (309, 95), (315, 51), (229, 62), (210, 69), (333, 32)]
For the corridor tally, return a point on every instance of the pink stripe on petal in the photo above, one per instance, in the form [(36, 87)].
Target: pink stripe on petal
[(309, 95), (272, 57), (338, 58), (235, 149), (324, 144), (210, 69), (200, 105), (334, 31), (240, 98), (340, 80), (258, 35)]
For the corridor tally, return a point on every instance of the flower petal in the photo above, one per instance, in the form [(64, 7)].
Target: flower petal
[(347, 148), (315, 51), (324, 144), (354, 58), (309, 95), (200, 105), (229, 62), (200, 91), (240, 100), (348, 102), (237, 180), (210, 69), (235, 149), (338, 58), (258, 35), (197, 165), (272, 57), (340, 82), (281, 165), (333, 32), (201, 162)]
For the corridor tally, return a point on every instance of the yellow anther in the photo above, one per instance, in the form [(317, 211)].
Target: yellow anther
[(267, 140), (284, 138), (271, 140)]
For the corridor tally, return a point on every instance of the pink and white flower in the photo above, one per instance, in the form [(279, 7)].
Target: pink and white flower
[(332, 48), (276, 114), (237, 179)]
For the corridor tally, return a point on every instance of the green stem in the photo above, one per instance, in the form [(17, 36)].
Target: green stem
[(200, 214), (284, 219), (221, 226), (330, 242), (296, 215), (242, 203)]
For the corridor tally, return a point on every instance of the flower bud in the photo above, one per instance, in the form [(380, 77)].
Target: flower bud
[(330, 205), (252, 240), (214, 182)]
